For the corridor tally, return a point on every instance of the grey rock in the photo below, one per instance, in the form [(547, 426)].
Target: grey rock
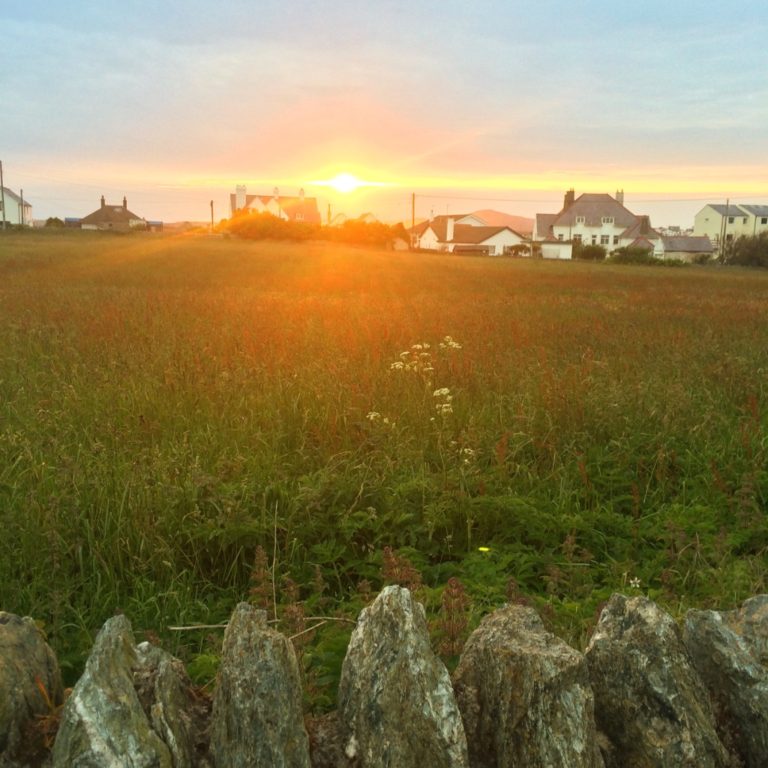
[(751, 623), (737, 684), (176, 714), (649, 701), (326, 741), (396, 701), (257, 709), (27, 663), (525, 696), (103, 724)]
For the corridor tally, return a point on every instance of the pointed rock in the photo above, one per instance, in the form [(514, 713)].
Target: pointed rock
[(751, 623), (525, 696), (396, 701), (257, 710), (649, 701), (103, 724), (29, 673), (737, 684)]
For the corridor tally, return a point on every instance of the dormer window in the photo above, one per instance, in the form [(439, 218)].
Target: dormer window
[(607, 219), (580, 220)]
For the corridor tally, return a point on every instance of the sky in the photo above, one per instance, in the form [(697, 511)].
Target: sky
[(466, 105)]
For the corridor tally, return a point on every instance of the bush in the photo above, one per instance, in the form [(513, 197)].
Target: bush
[(748, 251), (588, 252)]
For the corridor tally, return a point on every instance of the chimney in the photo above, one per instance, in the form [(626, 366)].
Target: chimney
[(449, 229), (103, 202), (570, 198), (125, 203), (620, 196), (301, 194), (239, 198), (276, 193)]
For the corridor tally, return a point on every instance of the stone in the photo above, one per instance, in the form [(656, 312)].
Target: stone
[(30, 688), (649, 700), (103, 724), (751, 623), (736, 681), (176, 713), (257, 718), (396, 701), (326, 741), (525, 696)]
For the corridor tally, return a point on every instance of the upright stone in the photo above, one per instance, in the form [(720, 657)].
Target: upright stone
[(751, 623), (30, 684), (103, 724), (396, 701), (257, 713), (737, 684), (525, 696), (649, 701)]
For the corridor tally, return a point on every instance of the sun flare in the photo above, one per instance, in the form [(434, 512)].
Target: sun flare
[(347, 182)]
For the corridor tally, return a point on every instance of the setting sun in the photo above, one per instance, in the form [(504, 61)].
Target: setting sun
[(346, 182)]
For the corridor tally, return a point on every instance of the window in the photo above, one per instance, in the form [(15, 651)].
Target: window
[(580, 220), (560, 236), (729, 237), (615, 239), (764, 220), (730, 219), (607, 219), (577, 238), (594, 239), (605, 239)]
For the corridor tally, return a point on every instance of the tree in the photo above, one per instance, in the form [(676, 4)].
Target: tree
[(588, 252), (748, 251), (54, 221)]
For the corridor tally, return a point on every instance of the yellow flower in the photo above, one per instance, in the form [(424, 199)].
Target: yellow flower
[(483, 549)]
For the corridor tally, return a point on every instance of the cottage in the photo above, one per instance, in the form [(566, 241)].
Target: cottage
[(465, 234), (297, 209), (688, 248), (113, 218), (14, 209)]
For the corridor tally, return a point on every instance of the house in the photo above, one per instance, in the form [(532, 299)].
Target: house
[(464, 234), (729, 221), (688, 248), (595, 219), (14, 209), (113, 218), (299, 208)]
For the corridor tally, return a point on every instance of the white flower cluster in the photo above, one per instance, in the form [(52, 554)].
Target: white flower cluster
[(376, 418), (418, 359), (444, 404), (449, 343)]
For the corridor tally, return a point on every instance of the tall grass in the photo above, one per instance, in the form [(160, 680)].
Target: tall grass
[(170, 405)]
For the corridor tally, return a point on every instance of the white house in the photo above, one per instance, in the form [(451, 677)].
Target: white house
[(290, 208), (15, 211), (465, 234), (727, 222), (686, 247)]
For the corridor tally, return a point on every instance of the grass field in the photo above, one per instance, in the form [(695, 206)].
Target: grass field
[(189, 422)]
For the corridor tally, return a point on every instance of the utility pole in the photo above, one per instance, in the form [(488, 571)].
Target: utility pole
[(211, 215), (413, 210), (2, 193), (21, 214), (724, 228)]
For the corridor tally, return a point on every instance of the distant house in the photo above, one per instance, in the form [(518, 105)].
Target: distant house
[(299, 208), (596, 219), (113, 217), (727, 222), (16, 210), (464, 234), (687, 247)]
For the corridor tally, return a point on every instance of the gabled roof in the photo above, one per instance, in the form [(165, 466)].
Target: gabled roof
[(727, 210), (544, 222), (756, 210), (467, 234), (16, 198), (641, 228), (642, 242), (110, 214), (688, 244), (593, 208), (291, 206)]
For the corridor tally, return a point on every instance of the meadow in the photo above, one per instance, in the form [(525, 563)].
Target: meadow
[(188, 422)]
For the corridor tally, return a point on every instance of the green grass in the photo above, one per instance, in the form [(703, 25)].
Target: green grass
[(168, 405)]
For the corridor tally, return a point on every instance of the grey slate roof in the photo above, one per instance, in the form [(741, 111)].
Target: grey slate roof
[(756, 210), (688, 244), (593, 207)]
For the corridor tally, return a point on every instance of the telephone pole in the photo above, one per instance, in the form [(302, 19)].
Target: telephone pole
[(2, 193), (211, 215)]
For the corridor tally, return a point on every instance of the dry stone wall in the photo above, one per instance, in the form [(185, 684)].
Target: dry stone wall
[(647, 692)]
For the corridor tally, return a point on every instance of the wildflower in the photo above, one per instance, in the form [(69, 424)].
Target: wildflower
[(442, 392), (449, 343), (444, 408), (634, 583), (483, 549), (397, 366), (373, 416)]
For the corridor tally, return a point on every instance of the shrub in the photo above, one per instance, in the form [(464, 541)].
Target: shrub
[(588, 252)]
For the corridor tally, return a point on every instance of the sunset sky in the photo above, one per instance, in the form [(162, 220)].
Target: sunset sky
[(470, 105)]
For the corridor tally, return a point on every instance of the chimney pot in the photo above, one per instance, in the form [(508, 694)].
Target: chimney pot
[(103, 201), (125, 203)]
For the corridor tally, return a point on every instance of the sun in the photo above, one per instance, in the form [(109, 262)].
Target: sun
[(345, 183)]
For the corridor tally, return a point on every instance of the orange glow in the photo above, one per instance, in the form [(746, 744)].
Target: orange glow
[(346, 183)]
